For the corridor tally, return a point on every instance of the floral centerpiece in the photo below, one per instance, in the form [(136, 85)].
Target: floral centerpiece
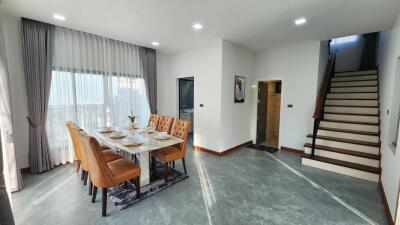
[(132, 118)]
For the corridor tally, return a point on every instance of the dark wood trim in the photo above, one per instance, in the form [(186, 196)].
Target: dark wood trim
[(354, 92), (352, 106), (220, 154), (352, 122), (350, 141), (350, 165), (229, 150), (344, 81), (294, 150), (344, 151), (350, 131), (213, 152), (352, 99), (355, 86), (349, 71), (387, 209), (351, 114), (357, 75)]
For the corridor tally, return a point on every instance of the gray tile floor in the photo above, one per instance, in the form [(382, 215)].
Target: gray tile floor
[(244, 187)]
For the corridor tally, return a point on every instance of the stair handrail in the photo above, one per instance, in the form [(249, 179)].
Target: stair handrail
[(320, 102)]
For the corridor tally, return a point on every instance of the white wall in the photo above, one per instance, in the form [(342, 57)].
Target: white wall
[(12, 33), (220, 124), (389, 52), (235, 117), (204, 64), (298, 68)]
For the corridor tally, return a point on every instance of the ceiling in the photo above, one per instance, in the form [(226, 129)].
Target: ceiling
[(254, 24)]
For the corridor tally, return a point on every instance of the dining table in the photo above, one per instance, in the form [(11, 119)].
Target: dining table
[(146, 141)]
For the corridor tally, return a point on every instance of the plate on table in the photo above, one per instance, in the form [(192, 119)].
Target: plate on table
[(147, 130), (117, 134), (131, 142), (161, 136), (106, 130)]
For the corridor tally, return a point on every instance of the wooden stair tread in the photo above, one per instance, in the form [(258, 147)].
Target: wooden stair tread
[(350, 131), (354, 99), (351, 165), (353, 122), (367, 79), (350, 141), (344, 151), (355, 75), (357, 86), (352, 106), (352, 114), (355, 92)]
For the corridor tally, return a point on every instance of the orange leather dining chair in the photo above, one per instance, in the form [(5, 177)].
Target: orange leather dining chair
[(165, 123), (77, 153), (153, 119), (109, 155), (107, 174), (75, 145), (180, 129)]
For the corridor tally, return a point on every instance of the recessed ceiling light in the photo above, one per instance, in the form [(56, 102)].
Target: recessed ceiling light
[(197, 26), (59, 17), (300, 21), (155, 43)]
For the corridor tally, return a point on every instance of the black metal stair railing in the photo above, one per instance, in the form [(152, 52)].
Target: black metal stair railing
[(320, 103)]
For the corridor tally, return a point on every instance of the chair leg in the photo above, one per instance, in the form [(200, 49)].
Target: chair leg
[(166, 172), (83, 175), (94, 194), (85, 178), (90, 187), (152, 167), (78, 165), (137, 184), (104, 202), (173, 164), (184, 165)]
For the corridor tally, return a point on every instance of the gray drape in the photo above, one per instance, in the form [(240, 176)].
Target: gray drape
[(6, 215), (37, 52), (149, 63)]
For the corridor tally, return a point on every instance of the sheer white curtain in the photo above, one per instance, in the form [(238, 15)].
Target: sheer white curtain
[(12, 176), (96, 82), (349, 51)]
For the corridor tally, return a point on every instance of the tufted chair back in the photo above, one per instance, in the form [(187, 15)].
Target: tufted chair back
[(100, 173), (180, 129), (165, 123), (154, 119), (77, 152), (77, 133)]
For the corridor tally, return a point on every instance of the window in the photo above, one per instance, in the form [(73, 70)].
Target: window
[(343, 40), (92, 101)]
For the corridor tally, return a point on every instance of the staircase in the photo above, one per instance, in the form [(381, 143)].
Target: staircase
[(347, 132)]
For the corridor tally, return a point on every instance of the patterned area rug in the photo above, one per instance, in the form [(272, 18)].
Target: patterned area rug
[(124, 195)]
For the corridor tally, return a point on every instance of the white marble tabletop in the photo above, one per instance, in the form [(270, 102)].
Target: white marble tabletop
[(149, 142)]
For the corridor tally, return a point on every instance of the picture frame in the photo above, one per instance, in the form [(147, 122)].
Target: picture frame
[(239, 89)]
